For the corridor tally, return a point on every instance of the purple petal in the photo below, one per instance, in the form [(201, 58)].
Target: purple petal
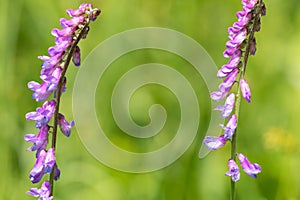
[(75, 21), (63, 32), (217, 95), (245, 90), (228, 106), (251, 169), (49, 161), (230, 127), (65, 127), (43, 193), (34, 192), (43, 114), (40, 91), (234, 170), (39, 141), (214, 142), (228, 82), (37, 172)]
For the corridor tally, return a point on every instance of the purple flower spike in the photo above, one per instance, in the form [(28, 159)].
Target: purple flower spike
[(245, 90), (39, 141), (230, 127), (65, 127), (76, 56), (214, 142), (251, 169), (43, 193), (227, 108), (234, 170), (43, 114)]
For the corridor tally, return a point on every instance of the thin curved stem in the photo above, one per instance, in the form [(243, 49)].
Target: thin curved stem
[(59, 93), (257, 12)]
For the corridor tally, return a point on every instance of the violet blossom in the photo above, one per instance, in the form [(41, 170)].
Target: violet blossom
[(234, 170), (65, 127), (251, 169), (228, 106), (245, 90), (43, 193), (43, 114), (43, 165)]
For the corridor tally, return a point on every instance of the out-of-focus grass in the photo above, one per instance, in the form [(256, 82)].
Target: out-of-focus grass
[(268, 129)]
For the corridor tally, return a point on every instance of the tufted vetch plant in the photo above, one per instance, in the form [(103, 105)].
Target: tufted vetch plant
[(48, 118), (241, 45)]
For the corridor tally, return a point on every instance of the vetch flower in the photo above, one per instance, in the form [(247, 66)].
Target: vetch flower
[(39, 141), (214, 142), (231, 65), (44, 164), (41, 92), (228, 106), (230, 127), (251, 169), (65, 127), (63, 32), (245, 90), (82, 9), (37, 172), (225, 86), (75, 21), (234, 170), (43, 114), (43, 193)]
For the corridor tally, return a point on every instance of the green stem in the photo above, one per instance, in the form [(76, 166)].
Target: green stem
[(59, 93), (257, 12)]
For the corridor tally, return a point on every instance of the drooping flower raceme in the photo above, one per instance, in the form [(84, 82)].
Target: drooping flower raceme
[(241, 44), (53, 79)]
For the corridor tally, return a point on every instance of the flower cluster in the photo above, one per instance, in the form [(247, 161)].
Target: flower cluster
[(54, 82), (242, 43)]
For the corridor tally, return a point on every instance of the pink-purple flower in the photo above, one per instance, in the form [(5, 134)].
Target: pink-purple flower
[(43, 165), (228, 106), (251, 169), (43, 114), (229, 129), (64, 125), (214, 142), (39, 141), (245, 90), (234, 170), (43, 193)]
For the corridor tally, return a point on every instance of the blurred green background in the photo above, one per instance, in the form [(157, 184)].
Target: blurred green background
[(268, 129)]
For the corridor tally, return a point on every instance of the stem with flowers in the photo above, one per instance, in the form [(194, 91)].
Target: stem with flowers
[(242, 43), (53, 73)]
